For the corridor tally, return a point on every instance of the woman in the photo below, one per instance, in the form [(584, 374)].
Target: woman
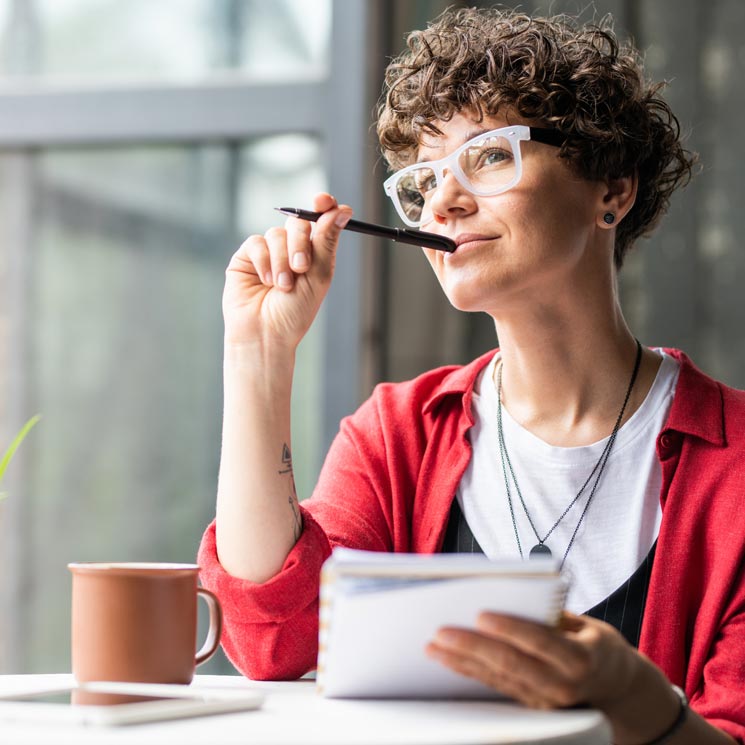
[(539, 148)]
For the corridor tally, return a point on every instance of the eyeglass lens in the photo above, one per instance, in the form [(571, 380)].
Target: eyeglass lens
[(487, 164)]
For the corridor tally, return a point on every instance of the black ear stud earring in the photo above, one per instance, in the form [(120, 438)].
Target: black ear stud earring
[(609, 218)]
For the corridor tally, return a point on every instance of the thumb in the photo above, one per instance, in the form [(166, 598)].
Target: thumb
[(570, 622), (326, 230)]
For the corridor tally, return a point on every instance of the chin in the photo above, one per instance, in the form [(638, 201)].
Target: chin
[(469, 299), (469, 289)]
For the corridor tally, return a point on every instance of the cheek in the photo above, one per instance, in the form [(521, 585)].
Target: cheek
[(553, 220), (552, 193)]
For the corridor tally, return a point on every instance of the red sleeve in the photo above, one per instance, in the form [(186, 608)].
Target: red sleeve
[(720, 698), (271, 629)]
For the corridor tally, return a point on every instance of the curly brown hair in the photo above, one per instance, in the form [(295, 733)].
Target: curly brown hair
[(555, 71)]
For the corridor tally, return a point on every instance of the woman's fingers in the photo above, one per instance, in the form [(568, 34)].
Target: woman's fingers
[(504, 667), (276, 282), (537, 640), (257, 253), (582, 660), (584, 650), (511, 685), (276, 241), (323, 202), (282, 253), (327, 229), (300, 249)]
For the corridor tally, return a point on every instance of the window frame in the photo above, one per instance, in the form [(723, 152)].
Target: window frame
[(57, 114)]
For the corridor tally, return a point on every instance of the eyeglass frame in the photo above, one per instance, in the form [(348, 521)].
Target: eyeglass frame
[(515, 134)]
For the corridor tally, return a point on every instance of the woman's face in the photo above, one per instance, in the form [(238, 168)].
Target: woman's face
[(524, 244)]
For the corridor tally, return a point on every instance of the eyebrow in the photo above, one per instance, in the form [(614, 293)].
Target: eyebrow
[(468, 136)]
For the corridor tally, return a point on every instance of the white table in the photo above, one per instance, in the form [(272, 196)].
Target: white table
[(293, 714)]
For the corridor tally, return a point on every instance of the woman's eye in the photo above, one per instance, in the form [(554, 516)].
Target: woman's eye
[(425, 183), (493, 157)]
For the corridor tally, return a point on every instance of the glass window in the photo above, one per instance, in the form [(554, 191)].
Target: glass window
[(128, 249), (167, 39)]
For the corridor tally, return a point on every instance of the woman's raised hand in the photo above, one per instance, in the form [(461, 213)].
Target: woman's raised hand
[(275, 283)]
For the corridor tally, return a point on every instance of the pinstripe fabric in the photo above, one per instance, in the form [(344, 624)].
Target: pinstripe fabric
[(623, 608), (458, 536)]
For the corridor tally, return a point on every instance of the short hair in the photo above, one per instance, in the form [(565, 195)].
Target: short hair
[(579, 79)]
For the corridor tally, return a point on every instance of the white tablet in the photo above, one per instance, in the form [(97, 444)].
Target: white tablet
[(123, 703)]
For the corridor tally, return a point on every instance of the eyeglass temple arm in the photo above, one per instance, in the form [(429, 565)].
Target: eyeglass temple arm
[(547, 136)]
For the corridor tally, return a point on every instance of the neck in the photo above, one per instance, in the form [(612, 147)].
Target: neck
[(566, 370)]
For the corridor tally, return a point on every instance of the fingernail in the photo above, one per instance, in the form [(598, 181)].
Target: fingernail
[(445, 638), (489, 621), (342, 219), (300, 262), (284, 279), (268, 278)]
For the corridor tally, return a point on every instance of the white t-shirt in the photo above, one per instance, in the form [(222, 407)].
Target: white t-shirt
[(623, 520)]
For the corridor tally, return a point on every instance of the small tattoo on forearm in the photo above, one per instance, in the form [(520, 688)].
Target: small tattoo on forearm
[(286, 460), (292, 499)]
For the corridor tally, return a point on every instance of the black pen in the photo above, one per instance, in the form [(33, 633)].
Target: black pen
[(402, 235)]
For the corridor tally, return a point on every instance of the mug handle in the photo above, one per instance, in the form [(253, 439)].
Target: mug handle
[(212, 641)]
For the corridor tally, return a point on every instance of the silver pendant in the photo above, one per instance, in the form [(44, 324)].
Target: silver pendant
[(540, 550)]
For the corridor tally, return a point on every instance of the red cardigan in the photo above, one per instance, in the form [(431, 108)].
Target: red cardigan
[(388, 483)]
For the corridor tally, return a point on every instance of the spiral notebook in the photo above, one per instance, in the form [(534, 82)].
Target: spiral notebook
[(378, 611)]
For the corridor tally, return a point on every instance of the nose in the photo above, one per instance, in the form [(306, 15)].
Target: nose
[(450, 200)]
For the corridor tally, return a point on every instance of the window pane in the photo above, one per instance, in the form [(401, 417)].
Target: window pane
[(129, 248), (167, 39)]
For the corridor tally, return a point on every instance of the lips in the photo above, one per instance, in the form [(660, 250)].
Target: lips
[(472, 237)]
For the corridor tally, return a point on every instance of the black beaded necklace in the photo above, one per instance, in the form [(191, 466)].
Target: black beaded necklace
[(541, 549)]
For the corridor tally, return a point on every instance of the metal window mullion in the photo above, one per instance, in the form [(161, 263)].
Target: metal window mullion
[(53, 116), (347, 124)]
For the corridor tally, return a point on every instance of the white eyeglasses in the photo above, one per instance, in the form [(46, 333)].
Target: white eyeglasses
[(485, 165)]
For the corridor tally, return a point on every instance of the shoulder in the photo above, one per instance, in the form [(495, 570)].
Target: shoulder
[(413, 403), (394, 427), (733, 410), (425, 392), (699, 381), (705, 407)]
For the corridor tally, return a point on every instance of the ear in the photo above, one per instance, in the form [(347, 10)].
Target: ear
[(617, 199)]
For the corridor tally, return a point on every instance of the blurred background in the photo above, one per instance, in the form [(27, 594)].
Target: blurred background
[(141, 141)]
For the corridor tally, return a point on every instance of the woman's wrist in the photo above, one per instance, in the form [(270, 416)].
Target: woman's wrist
[(260, 379), (646, 709), (677, 723), (258, 356)]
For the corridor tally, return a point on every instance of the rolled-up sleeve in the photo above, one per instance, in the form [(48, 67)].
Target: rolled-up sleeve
[(270, 630)]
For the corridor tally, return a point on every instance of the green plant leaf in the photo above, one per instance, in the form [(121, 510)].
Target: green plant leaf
[(17, 440)]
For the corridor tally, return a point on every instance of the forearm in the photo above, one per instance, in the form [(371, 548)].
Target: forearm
[(651, 707), (258, 518), (697, 731)]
